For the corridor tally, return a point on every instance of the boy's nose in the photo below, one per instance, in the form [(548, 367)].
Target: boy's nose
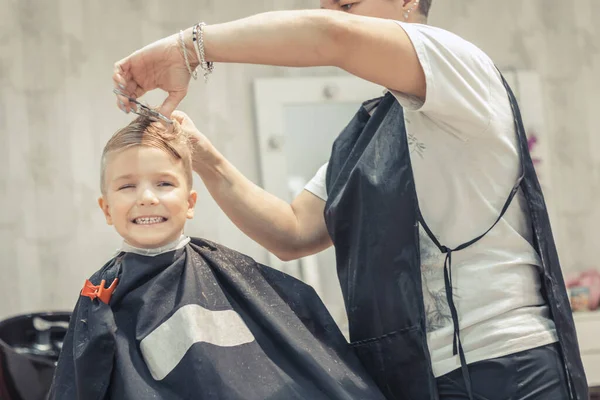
[(147, 197)]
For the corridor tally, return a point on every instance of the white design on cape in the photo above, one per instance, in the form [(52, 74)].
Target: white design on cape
[(164, 348)]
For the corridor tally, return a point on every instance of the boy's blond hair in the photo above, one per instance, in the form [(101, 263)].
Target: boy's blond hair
[(142, 131)]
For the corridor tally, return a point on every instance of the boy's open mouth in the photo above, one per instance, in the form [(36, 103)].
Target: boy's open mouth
[(149, 220)]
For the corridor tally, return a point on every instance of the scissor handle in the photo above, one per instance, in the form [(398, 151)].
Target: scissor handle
[(152, 113)]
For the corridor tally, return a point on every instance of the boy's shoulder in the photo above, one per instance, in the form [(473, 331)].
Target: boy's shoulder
[(223, 255)]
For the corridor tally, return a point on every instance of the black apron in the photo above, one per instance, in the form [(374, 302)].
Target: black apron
[(372, 215), (259, 334)]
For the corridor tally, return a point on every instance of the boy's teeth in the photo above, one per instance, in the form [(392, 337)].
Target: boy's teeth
[(147, 221)]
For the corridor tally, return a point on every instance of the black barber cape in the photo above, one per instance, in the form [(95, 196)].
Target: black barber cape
[(205, 322), (373, 217)]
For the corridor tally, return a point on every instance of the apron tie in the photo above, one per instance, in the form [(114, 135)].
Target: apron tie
[(456, 342), (457, 347)]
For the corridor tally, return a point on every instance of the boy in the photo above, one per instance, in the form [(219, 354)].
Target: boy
[(177, 318)]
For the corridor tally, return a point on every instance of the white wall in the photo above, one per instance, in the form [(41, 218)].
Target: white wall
[(57, 111)]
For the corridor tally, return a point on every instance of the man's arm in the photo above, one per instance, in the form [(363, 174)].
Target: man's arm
[(288, 231), (374, 49)]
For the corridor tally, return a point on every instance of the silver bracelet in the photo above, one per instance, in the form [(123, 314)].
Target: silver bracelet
[(193, 73), (207, 67), (195, 45)]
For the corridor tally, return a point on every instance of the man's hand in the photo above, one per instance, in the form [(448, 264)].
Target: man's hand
[(203, 152), (159, 65)]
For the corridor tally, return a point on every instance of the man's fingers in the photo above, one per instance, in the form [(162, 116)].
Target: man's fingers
[(184, 120), (180, 116), (120, 83), (122, 105), (121, 74), (123, 83), (171, 103)]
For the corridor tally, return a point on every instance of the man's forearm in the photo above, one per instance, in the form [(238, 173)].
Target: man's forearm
[(299, 38), (262, 216)]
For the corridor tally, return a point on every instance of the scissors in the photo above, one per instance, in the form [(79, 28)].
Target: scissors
[(144, 110)]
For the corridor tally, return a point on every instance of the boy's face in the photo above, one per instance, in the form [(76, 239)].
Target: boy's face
[(147, 197)]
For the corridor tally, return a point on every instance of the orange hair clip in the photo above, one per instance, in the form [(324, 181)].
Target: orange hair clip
[(99, 292)]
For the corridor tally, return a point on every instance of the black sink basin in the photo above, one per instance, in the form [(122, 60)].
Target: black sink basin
[(29, 348)]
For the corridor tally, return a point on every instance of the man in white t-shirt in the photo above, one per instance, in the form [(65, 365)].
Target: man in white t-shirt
[(490, 318), (465, 161)]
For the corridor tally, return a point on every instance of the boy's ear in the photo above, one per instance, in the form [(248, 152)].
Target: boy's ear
[(104, 206), (193, 197)]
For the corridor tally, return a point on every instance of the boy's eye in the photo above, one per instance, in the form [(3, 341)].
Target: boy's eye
[(165, 184), (127, 186), (347, 7)]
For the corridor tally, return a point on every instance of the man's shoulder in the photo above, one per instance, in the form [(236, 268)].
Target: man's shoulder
[(447, 44)]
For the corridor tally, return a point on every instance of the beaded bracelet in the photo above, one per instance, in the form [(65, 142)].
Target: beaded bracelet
[(198, 38)]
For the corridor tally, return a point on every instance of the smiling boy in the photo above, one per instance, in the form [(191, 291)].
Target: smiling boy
[(146, 184), (173, 317)]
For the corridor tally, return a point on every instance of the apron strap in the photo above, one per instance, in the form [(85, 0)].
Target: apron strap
[(457, 347)]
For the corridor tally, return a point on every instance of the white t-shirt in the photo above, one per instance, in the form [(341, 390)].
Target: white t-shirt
[(463, 149)]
